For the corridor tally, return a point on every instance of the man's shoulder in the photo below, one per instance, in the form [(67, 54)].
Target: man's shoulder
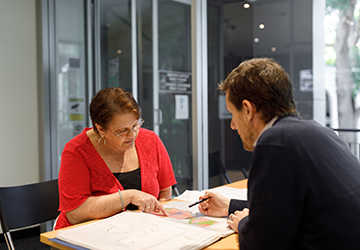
[(296, 124), (290, 127)]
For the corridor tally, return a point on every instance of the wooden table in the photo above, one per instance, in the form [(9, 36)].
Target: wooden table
[(228, 243)]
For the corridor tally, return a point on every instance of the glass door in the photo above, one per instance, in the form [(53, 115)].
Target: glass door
[(240, 30), (156, 36), (141, 46), (113, 31), (174, 87)]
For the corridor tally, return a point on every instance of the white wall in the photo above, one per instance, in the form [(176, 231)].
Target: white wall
[(19, 143)]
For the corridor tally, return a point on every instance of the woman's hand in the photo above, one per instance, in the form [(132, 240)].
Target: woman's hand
[(236, 217), (97, 207), (217, 205), (146, 202)]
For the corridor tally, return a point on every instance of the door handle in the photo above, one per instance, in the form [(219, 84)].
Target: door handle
[(158, 117)]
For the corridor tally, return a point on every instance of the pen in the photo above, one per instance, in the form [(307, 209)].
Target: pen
[(197, 202)]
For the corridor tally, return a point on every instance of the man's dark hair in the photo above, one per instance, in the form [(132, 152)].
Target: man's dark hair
[(264, 83)]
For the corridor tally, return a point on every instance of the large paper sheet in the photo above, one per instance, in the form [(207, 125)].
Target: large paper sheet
[(185, 228), (136, 231)]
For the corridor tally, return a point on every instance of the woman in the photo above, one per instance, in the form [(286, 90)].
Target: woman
[(115, 165)]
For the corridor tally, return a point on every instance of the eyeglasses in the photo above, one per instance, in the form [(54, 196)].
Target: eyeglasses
[(135, 128)]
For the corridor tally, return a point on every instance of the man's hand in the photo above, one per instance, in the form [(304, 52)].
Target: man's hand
[(236, 217), (217, 205)]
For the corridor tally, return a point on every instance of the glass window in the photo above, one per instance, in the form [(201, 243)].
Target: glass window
[(240, 30), (115, 44), (70, 72)]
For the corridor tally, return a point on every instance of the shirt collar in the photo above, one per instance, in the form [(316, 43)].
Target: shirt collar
[(268, 125)]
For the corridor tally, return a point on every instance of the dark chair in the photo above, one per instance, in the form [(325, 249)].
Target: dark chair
[(244, 173), (244, 159), (26, 205), (216, 166), (175, 190)]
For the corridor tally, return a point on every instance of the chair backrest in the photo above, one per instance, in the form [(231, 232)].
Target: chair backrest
[(26, 205), (216, 166)]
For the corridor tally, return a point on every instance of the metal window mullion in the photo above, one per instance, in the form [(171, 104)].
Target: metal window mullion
[(155, 48), (196, 136), (204, 86), (89, 55), (318, 43), (97, 46), (45, 22), (199, 72), (291, 39), (53, 89), (134, 67)]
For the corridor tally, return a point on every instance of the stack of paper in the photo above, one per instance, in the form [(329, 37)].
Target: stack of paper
[(185, 228)]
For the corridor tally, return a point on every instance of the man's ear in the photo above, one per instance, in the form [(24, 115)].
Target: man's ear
[(249, 108)]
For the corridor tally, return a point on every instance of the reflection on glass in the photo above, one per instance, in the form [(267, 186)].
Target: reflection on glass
[(175, 71), (174, 63), (145, 61), (70, 61), (115, 32), (238, 31)]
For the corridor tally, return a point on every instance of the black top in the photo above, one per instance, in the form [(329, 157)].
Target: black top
[(130, 180)]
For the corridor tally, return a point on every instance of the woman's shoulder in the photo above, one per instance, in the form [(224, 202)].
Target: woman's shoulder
[(146, 134), (79, 140), (147, 138)]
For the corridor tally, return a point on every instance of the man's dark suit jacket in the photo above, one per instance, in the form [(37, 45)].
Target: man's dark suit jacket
[(303, 190)]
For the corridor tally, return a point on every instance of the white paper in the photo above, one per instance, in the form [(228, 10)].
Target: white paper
[(181, 107), (229, 192), (306, 80), (232, 193), (136, 231), (113, 67), (185, 228)]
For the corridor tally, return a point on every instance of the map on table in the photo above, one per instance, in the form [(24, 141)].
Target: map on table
[(189, 217)]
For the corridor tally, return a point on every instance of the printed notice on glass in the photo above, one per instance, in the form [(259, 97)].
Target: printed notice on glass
[(306, 80), (174, 82), (181, 107), (114, 72), (223, 112)]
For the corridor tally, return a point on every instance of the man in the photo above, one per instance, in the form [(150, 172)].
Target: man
[(304, 183)]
